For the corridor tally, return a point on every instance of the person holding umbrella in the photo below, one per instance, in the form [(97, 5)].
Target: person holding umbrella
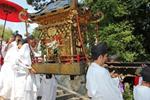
[(10, 11)]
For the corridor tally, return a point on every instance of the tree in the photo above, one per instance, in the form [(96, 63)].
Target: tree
[(122, 42), (118, 28), (36, 33), (7, 34)]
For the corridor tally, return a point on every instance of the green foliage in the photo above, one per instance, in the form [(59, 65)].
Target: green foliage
[(36, 33), (128, 94), (111, 8), (121, 41), (117, 29), (8, 32)]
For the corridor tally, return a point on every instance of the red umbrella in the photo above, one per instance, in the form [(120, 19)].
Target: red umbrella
[(10, 11)]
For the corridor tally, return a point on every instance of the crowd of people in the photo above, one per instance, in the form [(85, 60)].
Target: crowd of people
[(18, 80)]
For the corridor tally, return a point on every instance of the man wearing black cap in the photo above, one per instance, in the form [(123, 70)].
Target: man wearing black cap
[(100, 85), (142, 92)]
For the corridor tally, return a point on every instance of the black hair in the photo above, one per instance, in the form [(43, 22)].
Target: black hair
[(99, 49), (31, 37), (24, 41), (18, 35), (145, 73)]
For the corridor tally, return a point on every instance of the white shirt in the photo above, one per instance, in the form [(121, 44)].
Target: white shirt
[(141, 92), (100, 85)]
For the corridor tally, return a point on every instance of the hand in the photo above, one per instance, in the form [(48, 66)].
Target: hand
[(114, 75), (32, 71)]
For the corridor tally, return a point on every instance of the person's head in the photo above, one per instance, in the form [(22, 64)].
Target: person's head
[(99, 53), (30, 39), (145, 73), (34, 43), (18, 37)]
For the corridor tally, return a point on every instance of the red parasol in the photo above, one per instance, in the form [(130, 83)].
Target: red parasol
[(10, 11)]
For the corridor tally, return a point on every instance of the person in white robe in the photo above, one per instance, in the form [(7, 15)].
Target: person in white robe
[(100, 85), (24, 83), (36, 48), (142, 91), (49, 84), (7, 74)]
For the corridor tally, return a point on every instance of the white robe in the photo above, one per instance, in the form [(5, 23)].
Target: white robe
[(7, 73), (48, 88), (141, 92), (24, 84), (100, 85), (2, 51)]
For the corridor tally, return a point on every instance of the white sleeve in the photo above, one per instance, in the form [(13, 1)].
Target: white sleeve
[(24, 51), (91, 84), (138, 95)]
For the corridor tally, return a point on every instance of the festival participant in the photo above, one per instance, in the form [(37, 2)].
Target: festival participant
[(24, 83), (37, 58), (138, 77), (43, 81), (100, 85), (142, 92), (7, 74), (48, 83)]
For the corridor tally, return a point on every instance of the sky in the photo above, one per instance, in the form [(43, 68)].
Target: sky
[(21, 25)]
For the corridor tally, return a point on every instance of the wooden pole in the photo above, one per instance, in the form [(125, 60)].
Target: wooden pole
[(80, 37), (26, 26)]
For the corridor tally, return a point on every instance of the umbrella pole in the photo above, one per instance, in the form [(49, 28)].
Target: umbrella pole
[(3, 29), (1, 41), (26, 26)]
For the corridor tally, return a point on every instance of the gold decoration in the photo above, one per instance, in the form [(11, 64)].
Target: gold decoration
[(52, 31)]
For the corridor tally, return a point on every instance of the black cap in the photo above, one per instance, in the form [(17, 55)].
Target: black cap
[(145, 73), (99, 49)]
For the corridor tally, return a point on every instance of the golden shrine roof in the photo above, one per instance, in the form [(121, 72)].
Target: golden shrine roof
[(63, 11), (54, 10)]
